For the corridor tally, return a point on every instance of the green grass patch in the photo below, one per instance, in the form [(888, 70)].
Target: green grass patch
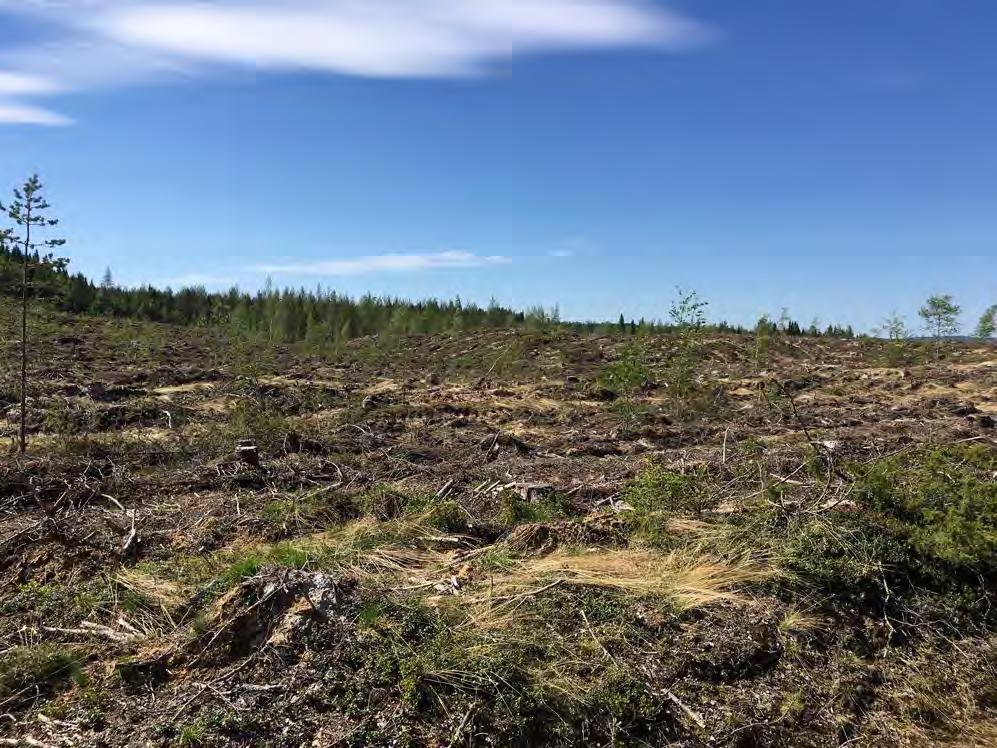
[(46, 667)]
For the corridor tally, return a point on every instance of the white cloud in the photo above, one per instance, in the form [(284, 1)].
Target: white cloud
[(561, 253), (12, 84), (375, 38), (384, 263), (14, 113), (391, 37)]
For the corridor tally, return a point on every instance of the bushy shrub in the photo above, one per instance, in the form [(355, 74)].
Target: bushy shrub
[(660, 489), (942, 501), (628, 375)]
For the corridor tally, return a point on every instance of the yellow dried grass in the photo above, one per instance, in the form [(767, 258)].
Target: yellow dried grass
[(690, 579), (160, 592), (798, 621)]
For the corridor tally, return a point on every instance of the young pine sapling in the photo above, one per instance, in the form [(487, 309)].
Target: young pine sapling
[(27, 211)]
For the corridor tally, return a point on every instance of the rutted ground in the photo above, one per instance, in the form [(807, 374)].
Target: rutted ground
[(472, 540)]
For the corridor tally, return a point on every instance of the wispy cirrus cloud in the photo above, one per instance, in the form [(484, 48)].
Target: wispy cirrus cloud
[(15, 113), (383, 263), (95, 43), (25, 84), (13, 109)]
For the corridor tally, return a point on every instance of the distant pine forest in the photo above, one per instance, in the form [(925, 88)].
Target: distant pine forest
[(317, 316)]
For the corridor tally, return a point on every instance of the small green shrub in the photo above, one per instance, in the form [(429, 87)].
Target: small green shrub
[(838, 553), (370, 613), (446, 516), (298, 513), (764, 331), (258, 420), (942, 501), (630, 412), (515, 509), (384, 502), (48, 601), (628, 375), (290, 556), (688, 320), (659, 489)]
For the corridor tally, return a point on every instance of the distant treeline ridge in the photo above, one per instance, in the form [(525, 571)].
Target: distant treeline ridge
[(298, 315)]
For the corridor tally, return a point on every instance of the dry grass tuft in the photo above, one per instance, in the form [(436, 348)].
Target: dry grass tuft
[(402, 545), (154, 601), (491, 617), (397, 559), (799, 621), (367, 546), (163, 593), (689, 526), (691, 580), (695, 528), (560, 676), (980, 734)]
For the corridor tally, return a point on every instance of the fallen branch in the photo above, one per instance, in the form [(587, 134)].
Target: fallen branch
[(685, 709), (531, 593), (88, 628), (132, 534)]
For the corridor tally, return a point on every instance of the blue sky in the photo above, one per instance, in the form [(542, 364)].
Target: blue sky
[(837, 158)]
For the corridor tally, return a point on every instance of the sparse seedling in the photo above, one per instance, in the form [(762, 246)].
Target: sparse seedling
[(941, 318), (28, 211), (688, 319)]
